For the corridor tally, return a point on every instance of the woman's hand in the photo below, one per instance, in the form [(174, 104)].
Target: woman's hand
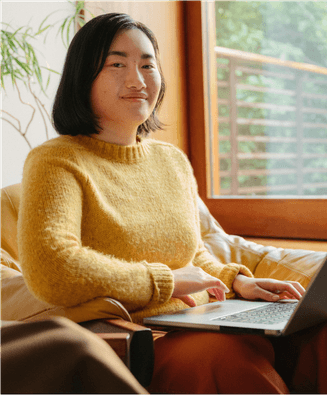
[(266, 288), (192, 279)]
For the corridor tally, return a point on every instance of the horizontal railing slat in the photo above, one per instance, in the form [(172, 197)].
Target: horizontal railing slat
[(271, 106), (300, 107), (268, 73), (270, 155), (272, 139), (271, 188), (269, 172), (252, 57), (265, 89), (314, 96)]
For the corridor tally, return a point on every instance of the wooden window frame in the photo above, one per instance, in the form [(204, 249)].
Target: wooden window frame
[(302, 218)]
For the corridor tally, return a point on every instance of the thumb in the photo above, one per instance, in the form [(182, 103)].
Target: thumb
[(187, 299)]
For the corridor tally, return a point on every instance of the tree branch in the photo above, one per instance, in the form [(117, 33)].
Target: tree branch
[(14, 126), (18, 130), (27, 104), (16, 119), (20, 97), (38, 103)]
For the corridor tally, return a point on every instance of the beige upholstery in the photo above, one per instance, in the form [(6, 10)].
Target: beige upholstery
[(263, 261), (10, 197), (19, 304)]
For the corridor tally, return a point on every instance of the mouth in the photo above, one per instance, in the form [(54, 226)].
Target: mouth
[(135, 97)]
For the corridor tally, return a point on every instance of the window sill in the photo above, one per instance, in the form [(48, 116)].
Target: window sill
[(293, 244)]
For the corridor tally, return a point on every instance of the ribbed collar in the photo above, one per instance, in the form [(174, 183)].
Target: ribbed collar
[(119, 153)]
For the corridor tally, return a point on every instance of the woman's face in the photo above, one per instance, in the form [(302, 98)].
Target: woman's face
[(126, 90)]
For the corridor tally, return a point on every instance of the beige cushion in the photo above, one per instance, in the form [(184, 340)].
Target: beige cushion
[(11, 263), (290, 265), (10, 197), (19, 304), (263, 261)]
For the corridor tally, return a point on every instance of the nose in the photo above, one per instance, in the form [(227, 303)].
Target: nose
[(134, 78)]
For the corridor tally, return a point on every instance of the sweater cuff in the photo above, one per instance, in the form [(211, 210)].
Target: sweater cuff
[(229, 273), (163, 282)]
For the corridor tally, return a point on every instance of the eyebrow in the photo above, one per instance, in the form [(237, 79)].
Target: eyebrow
[(124, 54)]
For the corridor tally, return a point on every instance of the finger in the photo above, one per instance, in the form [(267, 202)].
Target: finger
[(266, 295), (221, 286), (187, 299), (215, 284), (278, 287), (286, 295), (220, 295), (290, 288), (298, 286), (217, 293)]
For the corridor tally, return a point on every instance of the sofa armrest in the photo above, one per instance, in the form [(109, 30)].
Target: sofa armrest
[(139, 356), (118, 342), (18, 304)]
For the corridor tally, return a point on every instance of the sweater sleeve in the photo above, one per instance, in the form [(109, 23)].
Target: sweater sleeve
[(203, 259), (56, 266), (225, 272)]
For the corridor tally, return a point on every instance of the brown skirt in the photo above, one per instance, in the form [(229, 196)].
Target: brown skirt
[(205, 363)]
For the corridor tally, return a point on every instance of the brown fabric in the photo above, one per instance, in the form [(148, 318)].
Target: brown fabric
[(302, 360), (58, 356), (207, 363)]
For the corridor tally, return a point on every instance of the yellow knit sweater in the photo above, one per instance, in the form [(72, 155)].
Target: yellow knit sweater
[(98, 219)]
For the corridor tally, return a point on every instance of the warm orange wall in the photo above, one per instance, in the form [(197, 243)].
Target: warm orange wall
[(166, 20)]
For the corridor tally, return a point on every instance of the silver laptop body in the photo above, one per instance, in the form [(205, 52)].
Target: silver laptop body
[(242, 316)]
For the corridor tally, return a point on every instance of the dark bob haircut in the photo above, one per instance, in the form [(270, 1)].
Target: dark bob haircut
[(72, 113)]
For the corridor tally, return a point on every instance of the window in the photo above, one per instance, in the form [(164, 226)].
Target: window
[(272, 98), (260, 154)]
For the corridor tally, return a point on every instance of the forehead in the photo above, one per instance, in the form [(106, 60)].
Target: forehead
[(131, 42)]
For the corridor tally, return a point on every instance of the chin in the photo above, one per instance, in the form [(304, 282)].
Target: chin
[(141, 118)]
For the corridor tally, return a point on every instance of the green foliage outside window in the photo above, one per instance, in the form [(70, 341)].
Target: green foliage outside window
[(286, 30)]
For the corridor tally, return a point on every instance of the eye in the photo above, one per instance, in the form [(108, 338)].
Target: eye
[(148, 66), (117, 65)]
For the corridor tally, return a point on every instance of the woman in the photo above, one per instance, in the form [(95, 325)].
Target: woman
[(106, 212)]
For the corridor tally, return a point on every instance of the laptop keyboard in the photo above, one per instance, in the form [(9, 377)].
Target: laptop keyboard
[(270, 314)]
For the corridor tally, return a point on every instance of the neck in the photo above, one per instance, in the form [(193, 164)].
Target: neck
[(119, 136)]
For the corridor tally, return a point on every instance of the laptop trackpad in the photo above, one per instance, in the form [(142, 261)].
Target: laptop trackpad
[(220, 309)]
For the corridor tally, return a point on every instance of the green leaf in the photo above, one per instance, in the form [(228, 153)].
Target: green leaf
[(48, 81), (80, 5), (19, 59), (42, 30), (24, 66), (62, 29), (68, 29), (16, 31), (51, 70)]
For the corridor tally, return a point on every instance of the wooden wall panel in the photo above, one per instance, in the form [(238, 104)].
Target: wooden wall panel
[(166, 20)]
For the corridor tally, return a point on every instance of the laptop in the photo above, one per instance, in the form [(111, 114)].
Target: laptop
[(242, 316)]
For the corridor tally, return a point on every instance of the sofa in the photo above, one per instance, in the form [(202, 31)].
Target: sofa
[(19, 304)]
